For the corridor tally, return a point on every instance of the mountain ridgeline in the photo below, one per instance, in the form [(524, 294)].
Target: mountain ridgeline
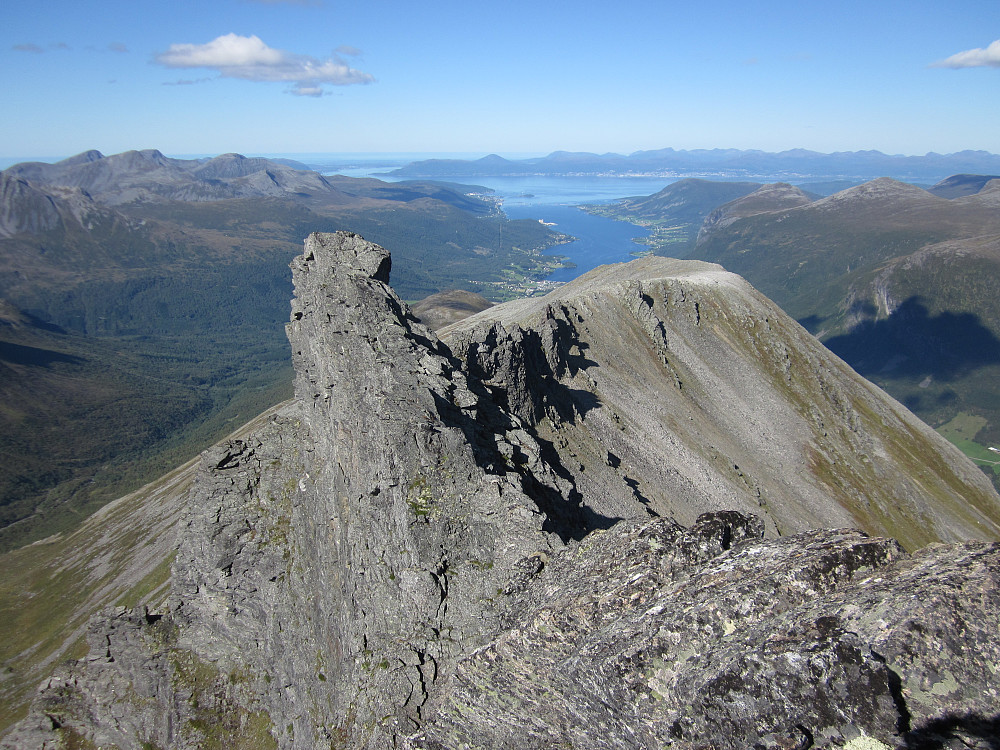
[(728, 163), (625, 502)]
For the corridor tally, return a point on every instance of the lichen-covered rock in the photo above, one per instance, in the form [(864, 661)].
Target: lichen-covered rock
[(650, 636), (432, 551)]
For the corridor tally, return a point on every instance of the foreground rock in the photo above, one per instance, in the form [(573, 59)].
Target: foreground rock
[(429, 551), (650, 636)]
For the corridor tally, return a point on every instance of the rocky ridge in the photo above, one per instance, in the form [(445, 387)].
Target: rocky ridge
[(411, 554)]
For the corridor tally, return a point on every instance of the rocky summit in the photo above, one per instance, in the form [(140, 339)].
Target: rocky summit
[(645, 511)]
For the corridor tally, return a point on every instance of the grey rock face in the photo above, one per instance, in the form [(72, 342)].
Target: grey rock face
[(674, 640), (426, 551)]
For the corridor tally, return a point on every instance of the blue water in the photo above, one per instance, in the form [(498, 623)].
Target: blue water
[(599, 240), (550, 199), (545, 191)]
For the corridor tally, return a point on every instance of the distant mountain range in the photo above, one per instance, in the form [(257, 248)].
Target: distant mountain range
[(794, 165)]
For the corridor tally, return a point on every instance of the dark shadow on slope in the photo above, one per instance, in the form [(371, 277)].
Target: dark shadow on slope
[(564, 510), (18, 354), (812, 323), (916, 402), (913, 343), (956, 730), (487, 434), (538, 389)]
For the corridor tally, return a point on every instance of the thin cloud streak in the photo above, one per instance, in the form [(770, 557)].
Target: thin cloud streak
[(973, 58), (250, 59)]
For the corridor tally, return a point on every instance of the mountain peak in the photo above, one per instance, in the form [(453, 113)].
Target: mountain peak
[(880, 188), (772, 197), (85, 158), (492, 159)]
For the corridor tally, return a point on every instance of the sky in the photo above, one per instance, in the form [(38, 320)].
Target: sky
[(203, 77)]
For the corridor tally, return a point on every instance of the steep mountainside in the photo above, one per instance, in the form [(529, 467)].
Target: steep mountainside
[(413, 553), (894, 279), (676, 387), (119, 556)]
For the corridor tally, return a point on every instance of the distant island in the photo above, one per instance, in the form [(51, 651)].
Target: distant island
[(719, 163)]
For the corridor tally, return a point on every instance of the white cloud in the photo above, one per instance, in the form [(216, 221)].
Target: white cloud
[(974, 58), (28, 48), (229, 51), (249, 58)]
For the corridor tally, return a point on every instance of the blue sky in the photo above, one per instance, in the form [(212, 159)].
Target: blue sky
[(308, 76)]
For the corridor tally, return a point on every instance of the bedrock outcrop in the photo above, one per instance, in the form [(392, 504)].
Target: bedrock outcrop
[(612, 518)]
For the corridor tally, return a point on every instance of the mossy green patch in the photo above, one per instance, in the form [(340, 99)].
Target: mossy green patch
[(219, 721), (419, 496)]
